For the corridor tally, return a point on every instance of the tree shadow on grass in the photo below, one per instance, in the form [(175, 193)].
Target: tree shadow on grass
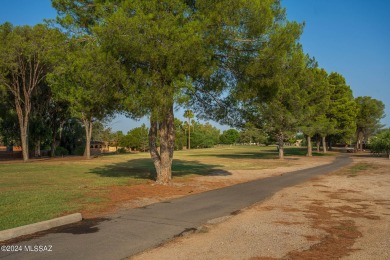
[(261, 154), (301, 151), (242, 155), (144, 169), (370, 155)]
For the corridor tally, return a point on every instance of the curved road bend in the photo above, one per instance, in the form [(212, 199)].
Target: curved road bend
[(135, 230)]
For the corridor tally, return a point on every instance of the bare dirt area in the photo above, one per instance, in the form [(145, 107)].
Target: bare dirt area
[(123, 197), (344, 215)]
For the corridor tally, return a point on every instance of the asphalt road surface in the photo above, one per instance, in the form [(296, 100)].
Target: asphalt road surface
[(135, 230)]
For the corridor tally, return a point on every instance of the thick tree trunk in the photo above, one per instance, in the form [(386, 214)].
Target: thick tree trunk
[(155, 155), (24, 141), (324, 144), (25, 79), (359, 140), (281, 145), (88, 134), (162, 159), (23, 125), (309, 147)]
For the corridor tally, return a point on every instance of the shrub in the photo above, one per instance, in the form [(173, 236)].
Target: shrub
[(79, 150), (121, 150), (61, 151), (381, 143)]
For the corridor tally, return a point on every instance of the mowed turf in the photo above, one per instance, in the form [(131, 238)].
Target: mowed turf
[(44, 189)]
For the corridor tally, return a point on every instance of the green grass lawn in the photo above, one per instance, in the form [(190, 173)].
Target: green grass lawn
[(41, 190)]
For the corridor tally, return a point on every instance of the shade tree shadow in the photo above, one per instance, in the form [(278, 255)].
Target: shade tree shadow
[(301, 151), (144, 169), (370, 155), (241, 155), (271, 153), (86, 226)]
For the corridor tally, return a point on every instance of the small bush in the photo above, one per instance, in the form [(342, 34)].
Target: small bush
[(381, 143), (61, 151), (79, 150), (121, 150)]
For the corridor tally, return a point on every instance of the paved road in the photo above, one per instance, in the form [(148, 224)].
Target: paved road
[(135, 230)]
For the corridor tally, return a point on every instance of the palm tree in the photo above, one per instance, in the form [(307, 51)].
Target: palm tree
[(188, 114)]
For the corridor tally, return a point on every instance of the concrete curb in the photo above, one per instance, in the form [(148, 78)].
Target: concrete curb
[(40, 226)]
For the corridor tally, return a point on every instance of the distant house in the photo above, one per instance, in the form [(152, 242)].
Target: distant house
[(98, 147), (10, 152), (4, 148)]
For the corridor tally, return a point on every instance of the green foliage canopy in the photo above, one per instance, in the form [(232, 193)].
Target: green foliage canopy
[(230, 136), (342, 108), (27, 55), (370, 112), (89, 80), (136, 138), (381, 143)]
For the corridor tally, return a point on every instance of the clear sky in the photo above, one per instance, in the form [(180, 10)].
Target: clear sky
[(351, 37)]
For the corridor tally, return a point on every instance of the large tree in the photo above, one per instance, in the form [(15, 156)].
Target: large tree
[(89, 81), (26, 56), (176, 51), (204, 135), (57, 115), (137, 138), (162, 46), (39, 132), (280, 115), (316, 100), (342, 110), (370, 112), (230, 136), (249, 134)]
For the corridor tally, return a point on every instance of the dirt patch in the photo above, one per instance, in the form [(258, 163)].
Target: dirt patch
[(341, 235), (331, 217)]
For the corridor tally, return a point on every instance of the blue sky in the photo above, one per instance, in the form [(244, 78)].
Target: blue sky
[(351, 37)]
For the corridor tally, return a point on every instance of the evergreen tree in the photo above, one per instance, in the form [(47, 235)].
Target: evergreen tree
[(230, 136), (89, 81), (370, 112), (381, 143), (342, 110), (316, 96), (176, 52)]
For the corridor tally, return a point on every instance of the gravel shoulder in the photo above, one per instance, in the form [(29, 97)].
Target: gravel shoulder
[(345, 214)]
